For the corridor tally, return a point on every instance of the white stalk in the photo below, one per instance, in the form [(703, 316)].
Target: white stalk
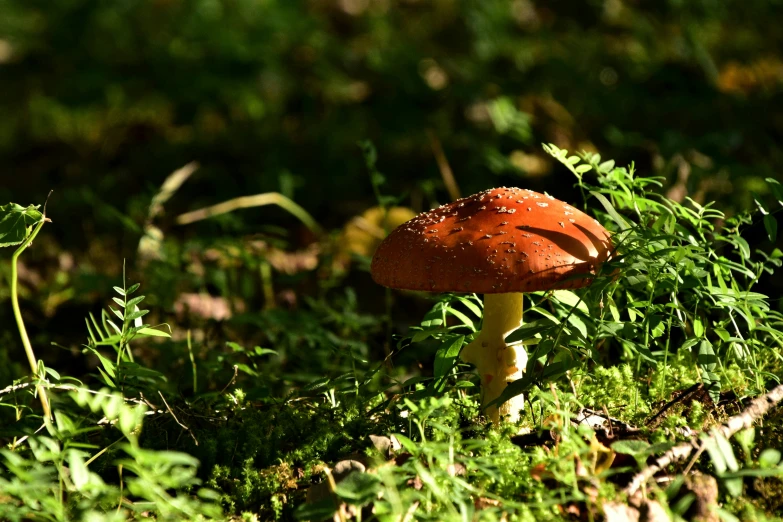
[(496, 362)]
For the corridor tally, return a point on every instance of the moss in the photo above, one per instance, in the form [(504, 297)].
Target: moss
[(679, 373), (697, 416), (770, 493), (616, 388), (751, 510), (674, 421)]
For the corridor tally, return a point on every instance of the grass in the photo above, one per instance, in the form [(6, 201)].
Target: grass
[(263, 415)]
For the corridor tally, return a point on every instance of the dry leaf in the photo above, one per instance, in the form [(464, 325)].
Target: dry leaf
[(539, 472), (484, 503)]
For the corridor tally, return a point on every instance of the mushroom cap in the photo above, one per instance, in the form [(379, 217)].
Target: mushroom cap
[(497, 241)]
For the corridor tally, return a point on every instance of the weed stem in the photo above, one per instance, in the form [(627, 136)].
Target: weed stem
[(28, 348)]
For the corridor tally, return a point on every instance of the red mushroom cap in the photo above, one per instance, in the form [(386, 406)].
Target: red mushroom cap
[(497, 241)]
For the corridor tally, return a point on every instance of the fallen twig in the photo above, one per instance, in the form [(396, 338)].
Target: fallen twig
[(153, 410), (62, 387), (15, 387), (758, 408), (177, 420), (682, 397)]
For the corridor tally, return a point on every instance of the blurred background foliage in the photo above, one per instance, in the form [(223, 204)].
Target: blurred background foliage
[(103, 100)]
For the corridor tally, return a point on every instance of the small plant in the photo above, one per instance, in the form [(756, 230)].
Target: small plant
[(19, 226), (56, 478), (115, 373), (51, 479)]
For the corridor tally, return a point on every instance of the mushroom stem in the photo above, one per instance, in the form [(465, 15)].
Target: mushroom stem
[(496, 362)]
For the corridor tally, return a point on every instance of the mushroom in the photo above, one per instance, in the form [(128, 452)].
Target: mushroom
[(500, 243)]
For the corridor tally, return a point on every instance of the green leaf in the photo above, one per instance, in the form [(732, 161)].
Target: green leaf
[(108, 364), (79, 473), (410, 446), (90, 332), (745, 439), (771, 225), (153, 332), (759, 203), (631, 447), (728, 453), (716, 456), (776, 188), (733, 486), (464, 319), (246, 369), (722, 333), (421, 335), (708, 363), (558, 369), (133, 302), (754, 472), (606, 166), (109, 340), (447, 354), (724, 514), (613, 310), (743, 246), (112, 406), (136, 315), (620, 220), (769, 458), (657, 325), (569, 298), (526, 331), (235, 346), (118, 314), (316, 385), (130, 418), (577, 322), (698, 327), (106, 379), (129, 368), (428, 323), (471, 305), (358, 487), (14, 222)]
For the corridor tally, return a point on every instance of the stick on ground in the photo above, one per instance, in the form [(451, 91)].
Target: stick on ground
[(758, 408)]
